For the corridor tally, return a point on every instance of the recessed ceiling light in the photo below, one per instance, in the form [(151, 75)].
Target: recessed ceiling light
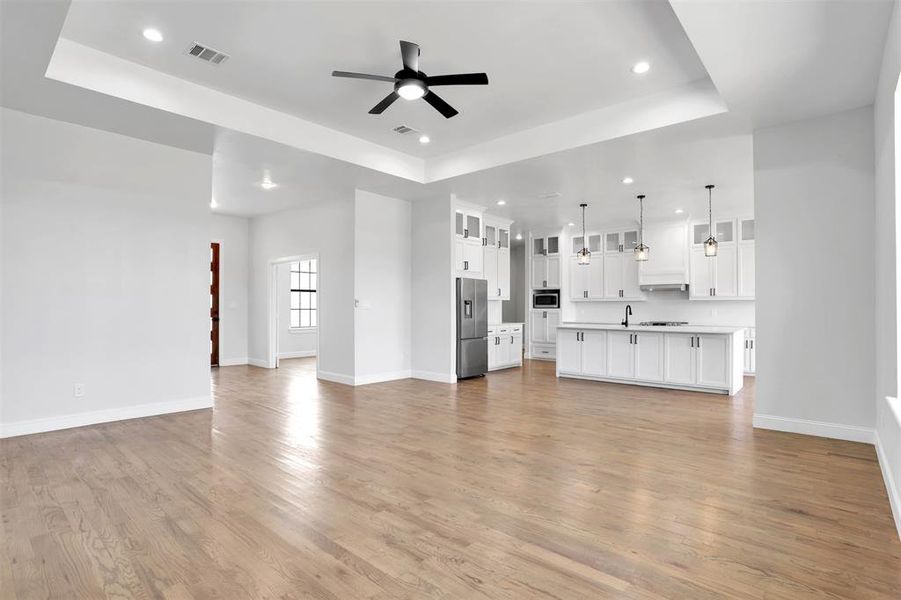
[(424, 139), (641, 67), (153, 35), (571, 224), (679, 211), (501, 202), (627, 180), (268, 185), (519, 236), (213, 203)]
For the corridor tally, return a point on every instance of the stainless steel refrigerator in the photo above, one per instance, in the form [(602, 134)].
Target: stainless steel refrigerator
[(472, 327)]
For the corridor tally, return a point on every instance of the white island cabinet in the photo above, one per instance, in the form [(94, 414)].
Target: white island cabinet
[(707, 359)]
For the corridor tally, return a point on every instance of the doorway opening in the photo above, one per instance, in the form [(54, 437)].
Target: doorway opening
[(214, 304), (294, 311)]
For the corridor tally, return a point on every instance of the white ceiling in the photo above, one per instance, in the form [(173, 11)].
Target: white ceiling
[(546, 60), (670, 165), (777, 61)]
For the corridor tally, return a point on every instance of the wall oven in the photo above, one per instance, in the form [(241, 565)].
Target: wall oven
[(546, 299)]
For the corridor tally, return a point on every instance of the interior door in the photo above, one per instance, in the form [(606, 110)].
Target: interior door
[(214, 304)]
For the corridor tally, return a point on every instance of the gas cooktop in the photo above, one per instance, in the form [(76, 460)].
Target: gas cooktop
[(662, 323)]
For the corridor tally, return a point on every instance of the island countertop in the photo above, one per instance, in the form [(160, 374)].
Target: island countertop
[(709, 329)]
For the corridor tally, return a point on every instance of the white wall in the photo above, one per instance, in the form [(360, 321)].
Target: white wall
[(514, 310), (382, 288), (815, 275), (326, 229), (232, 233), (292, 343), (887, 128), (433, 291), (105, 250)]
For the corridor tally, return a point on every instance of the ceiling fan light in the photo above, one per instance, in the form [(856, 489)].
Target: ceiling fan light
[(411, 89)]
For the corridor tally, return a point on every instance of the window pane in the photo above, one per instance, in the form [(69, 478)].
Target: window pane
[(313, 265), (295, 300), (295, 281), (295, 318), (312, 282), (305, 299), (304, 318), (313, 322), (295, 266), (313, 300), (304, 281)]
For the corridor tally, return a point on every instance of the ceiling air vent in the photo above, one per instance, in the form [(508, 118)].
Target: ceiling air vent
[(205, 53), (402, 129)]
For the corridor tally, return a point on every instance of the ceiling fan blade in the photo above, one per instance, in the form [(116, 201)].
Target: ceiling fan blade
[(459, 79), (409, 54), (385, 103), (363, 76), (439, 104)]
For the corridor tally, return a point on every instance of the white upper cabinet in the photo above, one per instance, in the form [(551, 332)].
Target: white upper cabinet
[(546, 246), (586, 282), (495, 245), (746, 262), (730, 274), (545, 272), (468, 253)]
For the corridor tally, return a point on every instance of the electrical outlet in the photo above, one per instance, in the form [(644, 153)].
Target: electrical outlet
[(78, 390)]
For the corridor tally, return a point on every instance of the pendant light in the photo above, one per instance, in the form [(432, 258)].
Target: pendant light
[(710, 244), (584, 254), (641, 251)]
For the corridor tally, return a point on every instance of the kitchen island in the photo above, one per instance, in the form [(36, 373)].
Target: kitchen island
[(686, 357)]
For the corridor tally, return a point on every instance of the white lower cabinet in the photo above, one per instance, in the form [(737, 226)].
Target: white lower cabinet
[(504, 346), (692, 360), (697, 359), (543, 333), (750, 361)]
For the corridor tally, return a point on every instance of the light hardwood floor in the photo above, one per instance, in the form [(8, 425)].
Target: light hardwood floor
[(515, 486)]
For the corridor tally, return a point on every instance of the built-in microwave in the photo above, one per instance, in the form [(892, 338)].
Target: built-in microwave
[(546, 299)]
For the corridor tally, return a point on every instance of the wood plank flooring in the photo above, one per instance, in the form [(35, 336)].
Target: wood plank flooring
[(515, 486)]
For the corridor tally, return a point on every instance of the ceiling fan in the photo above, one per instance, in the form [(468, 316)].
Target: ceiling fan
[(410, 83)]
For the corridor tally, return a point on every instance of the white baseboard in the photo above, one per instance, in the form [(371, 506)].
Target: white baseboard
[(297, 354), (434, 376), (851, 433), (231, 362), (380, 377), (258, 362), (103, 416), (335, 377), (891, 486)]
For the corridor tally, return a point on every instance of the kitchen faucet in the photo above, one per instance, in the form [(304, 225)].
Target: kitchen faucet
[(625, 322)]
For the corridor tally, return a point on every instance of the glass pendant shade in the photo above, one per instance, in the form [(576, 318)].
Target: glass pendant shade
[(584, 254), (710, 244), (641, 252)]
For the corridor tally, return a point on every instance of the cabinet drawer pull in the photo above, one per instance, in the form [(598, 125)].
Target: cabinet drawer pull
[(465, 265), (692, 341)]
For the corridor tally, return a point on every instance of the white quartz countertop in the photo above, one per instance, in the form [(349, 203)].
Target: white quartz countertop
[(664, 329), (503, 324)]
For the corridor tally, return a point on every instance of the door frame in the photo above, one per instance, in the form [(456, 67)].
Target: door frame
[(272, 306), (215, 294)]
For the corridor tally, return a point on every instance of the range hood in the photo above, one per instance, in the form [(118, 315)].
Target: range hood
[(667, 265)]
